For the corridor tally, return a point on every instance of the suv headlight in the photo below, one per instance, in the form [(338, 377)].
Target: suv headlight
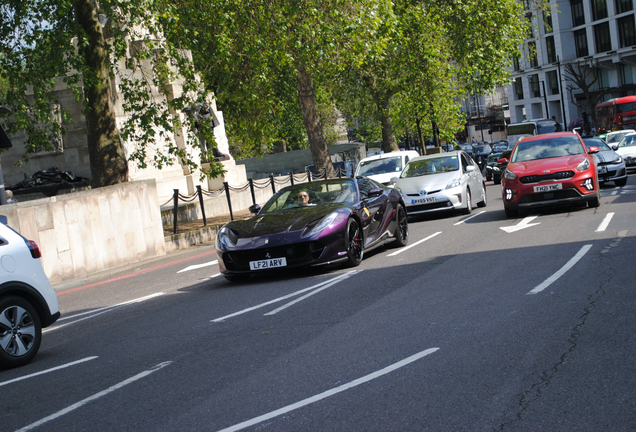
[(584, 166), (509, 175)]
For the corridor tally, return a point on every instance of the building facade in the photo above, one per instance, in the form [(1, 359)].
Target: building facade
[(594, 38)]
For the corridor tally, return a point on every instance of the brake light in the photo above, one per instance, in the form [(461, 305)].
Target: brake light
[(33, 247)]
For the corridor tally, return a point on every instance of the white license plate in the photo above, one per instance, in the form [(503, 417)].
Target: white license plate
[(423, 200), (268, 263), (548, 188)]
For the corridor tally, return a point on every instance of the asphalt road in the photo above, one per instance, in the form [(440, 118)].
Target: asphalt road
[(471, 327)]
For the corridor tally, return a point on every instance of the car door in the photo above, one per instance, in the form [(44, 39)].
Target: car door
[(372, 209), (473, 177)]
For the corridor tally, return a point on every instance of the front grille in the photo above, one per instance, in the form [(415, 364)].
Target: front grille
[(427, 193), (430, 206), (297, 253), (561, 175), (549, 196)]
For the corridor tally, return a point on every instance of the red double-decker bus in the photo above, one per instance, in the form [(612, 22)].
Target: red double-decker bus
[(616, 114)]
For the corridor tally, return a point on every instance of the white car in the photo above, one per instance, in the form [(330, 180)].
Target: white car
[(626, 148), (384, 166), (613, 138), (439, 182), (27, 301)]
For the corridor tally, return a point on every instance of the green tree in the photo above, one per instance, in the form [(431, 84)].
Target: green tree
[(89, 44), (435, 52), (250, 50)]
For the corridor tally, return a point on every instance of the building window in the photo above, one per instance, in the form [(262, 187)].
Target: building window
[(627, 76), (526, 5), (599, 9), (580, 40), (547, 21), (530, 26), (553, 82), (602, 37), (626, 31), (550, 49), (532, 54), (578, 14), (519, 88), (624, 6), (534, 85), (515, 63)]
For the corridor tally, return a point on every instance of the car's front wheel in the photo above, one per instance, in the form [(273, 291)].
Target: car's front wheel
[(402, 229), (20, 332), (469, 203), (483, 202), (355, 243)]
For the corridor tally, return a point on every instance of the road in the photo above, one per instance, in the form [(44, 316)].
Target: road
[(482, 323)]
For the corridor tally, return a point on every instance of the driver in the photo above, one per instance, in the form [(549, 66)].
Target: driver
[(303, 198)]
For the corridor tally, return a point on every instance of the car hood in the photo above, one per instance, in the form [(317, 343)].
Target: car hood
[(606, 156), (384, 178), (541, 166), (281, 222), (430, 182), (627, 151)]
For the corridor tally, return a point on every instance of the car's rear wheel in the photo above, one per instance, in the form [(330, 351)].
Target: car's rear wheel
[(355, 243), (469, 203), (402, 229), (621, 182), (20, 332), (483, 202)]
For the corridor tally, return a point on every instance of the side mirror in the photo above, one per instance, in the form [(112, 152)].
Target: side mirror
[(470, 168), (593, 150), (375, 192), (254, 208), (615, 147), (393, 181)]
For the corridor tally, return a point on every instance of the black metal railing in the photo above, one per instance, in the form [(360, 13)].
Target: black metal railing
[(251, 185)]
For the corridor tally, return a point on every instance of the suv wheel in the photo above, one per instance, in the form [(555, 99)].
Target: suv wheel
[(20, 332)]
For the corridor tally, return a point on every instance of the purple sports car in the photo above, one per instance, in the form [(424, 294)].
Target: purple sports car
[(315, 223)]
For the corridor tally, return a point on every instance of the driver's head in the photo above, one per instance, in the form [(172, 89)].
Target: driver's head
[(303, 198)]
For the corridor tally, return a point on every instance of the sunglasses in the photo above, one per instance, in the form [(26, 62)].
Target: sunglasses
[(303, 196)]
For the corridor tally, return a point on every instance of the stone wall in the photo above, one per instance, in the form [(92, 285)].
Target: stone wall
[(91, 231)]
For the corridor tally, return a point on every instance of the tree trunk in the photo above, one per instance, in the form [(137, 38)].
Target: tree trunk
[(107, 159), (389, 143), (313, 125)]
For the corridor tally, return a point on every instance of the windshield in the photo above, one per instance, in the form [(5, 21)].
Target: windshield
[(625, 107), (493, 158), (430, 166), (380, 166), (466, 147), (596, 142), (628, 141), (312, 194), (616, 137), (547, 148)]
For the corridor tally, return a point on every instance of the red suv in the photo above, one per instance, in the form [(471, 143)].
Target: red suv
[(550, 169)]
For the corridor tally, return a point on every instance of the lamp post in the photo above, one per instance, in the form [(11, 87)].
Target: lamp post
[(479, 115), (545, 99), (565, 122)]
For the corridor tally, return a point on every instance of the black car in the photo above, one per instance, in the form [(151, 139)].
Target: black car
[(500, 166), (490, 164)]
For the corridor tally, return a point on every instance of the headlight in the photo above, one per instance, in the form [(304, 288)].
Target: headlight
[(454, 183), (509, 175), (584, 166), (618, 159), (324, 223), (226, 238)]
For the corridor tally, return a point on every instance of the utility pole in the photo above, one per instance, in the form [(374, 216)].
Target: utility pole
[(545, 99), (565, 121)]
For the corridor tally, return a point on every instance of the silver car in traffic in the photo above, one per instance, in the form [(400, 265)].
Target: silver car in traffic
[(438, 182)]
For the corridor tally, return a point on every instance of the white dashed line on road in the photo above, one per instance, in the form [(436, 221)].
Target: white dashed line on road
[(562, 271)]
